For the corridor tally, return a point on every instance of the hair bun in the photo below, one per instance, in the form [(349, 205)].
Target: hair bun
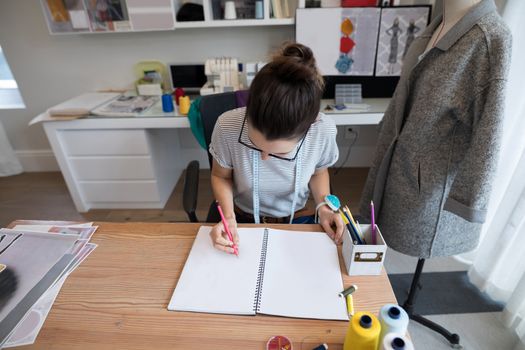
[(295, 64), (302, 53)]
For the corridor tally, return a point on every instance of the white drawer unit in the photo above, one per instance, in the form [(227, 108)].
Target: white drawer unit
[(119, 191), (109, 163), (105, 142), (112, 168)]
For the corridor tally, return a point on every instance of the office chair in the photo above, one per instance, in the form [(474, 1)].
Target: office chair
[(211, 107)]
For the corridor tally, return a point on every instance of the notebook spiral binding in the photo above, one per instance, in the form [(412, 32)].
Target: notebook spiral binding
[(260, 274)]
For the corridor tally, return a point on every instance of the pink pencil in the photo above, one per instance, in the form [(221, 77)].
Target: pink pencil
[(225, 223), (373, 222)]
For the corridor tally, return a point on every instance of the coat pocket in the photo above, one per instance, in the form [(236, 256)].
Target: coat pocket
[(418, 177)]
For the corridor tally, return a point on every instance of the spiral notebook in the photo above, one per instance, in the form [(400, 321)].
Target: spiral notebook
[(277, 272)]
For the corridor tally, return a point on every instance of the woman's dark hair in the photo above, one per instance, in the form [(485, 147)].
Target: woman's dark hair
[(285, 95)]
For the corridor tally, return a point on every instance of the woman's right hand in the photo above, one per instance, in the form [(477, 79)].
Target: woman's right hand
[(220, 238)]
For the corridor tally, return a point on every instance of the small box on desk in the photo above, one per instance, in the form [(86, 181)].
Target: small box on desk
[(364, 259), (145, 89)]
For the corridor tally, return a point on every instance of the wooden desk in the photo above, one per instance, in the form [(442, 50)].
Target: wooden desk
[(118, 297)]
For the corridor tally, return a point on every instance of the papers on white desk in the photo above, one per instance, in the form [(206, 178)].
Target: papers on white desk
[(284, 273), (82, 105), (126, 106)]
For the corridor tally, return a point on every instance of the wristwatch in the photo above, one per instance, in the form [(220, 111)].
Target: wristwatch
[(331, 201)]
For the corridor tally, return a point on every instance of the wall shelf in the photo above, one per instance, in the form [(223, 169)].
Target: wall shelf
[(144, 16)]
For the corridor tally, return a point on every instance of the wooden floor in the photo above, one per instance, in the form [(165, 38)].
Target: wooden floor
[(44, 196)]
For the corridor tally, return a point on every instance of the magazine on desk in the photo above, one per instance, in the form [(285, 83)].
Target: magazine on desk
[(126, 106), (40, 256)]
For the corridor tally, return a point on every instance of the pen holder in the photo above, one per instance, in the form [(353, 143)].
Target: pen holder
[(364, 259)]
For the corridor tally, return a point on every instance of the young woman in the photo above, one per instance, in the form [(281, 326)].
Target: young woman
[(271, 154)]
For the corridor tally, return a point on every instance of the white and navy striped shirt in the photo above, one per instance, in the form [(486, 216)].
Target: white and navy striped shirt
[(276, 176)]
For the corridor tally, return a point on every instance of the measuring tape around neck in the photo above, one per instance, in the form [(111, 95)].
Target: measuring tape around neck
[(256, 206)]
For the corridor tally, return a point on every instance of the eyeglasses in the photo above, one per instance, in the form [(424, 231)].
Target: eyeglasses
[(270, 154)]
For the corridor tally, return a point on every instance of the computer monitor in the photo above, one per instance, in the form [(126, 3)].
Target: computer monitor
[(190, 77)]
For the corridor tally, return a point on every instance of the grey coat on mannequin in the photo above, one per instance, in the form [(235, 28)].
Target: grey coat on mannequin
[(438, 143)]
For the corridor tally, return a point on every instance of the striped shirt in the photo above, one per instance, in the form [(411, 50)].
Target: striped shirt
[(277, 177)]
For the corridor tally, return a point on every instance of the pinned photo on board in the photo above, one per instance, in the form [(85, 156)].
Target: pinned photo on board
[(345, 45), (358, 40), (399, 26)]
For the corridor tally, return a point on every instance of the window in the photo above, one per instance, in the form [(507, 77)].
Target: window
[(9, 95)]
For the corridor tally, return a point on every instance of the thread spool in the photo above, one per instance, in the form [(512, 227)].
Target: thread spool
[(363, 332), (394, 341), (184, 105), (393, 319), (177, 94), (167, 103)]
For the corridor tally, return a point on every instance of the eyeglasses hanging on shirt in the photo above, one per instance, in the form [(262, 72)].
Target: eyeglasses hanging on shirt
[(249, 144)]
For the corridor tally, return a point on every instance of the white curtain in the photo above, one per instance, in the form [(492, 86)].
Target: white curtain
[(9, 164), (498, 265)]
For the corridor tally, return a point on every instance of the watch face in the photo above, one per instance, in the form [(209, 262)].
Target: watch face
[(333, 202)]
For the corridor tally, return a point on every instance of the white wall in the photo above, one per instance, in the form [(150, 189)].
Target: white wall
[(52, 68)]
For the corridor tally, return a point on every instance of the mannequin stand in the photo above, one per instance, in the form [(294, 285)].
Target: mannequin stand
[(409, 308)]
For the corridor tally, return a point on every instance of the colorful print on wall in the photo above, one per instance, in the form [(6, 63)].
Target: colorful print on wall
[(344, 40), (344, 63), (357, 41), (399, 27)]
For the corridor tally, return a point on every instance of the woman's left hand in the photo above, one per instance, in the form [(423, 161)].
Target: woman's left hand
[(332, 223)]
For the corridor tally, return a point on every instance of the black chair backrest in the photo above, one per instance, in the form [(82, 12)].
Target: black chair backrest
[(211, 107)]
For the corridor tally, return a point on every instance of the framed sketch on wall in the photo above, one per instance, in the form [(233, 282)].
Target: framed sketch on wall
[(399, 26)]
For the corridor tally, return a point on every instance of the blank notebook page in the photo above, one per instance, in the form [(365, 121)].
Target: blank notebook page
[(302, 277), (216, 282)]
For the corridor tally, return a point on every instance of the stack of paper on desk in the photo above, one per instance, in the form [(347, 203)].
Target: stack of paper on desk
[(41, 255), (82, 105)]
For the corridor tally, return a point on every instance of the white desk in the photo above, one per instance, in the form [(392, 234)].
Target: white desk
[(134, 163)]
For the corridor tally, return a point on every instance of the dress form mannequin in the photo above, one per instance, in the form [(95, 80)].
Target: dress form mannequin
[(461, 60), (453, 11)]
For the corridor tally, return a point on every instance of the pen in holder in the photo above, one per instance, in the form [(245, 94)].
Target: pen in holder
[(364, 259)]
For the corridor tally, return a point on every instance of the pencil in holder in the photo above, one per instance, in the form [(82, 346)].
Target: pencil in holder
[(364, 259)]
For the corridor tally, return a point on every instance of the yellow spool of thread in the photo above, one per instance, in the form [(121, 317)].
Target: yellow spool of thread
[(184, 105), (363, 332)]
